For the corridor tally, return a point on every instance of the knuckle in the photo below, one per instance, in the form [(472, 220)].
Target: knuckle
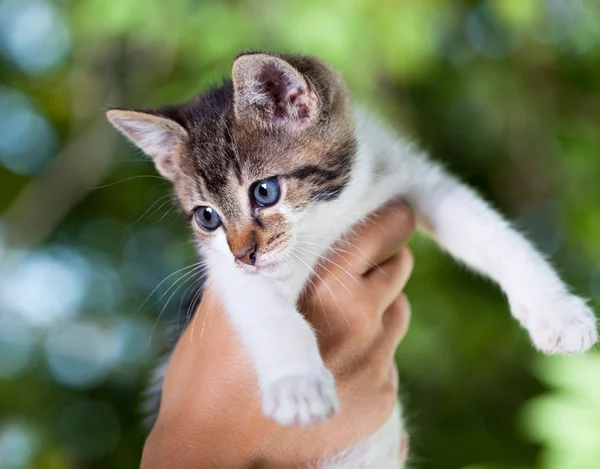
[(362, 307), (403, 304), (380, 355), (405, 212), (400, 304), (360, 331), (389, 394), (368, 306), (392, 315), (398, 314), (360, 326), (385, 402)]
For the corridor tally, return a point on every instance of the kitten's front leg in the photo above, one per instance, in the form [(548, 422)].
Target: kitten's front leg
[(296, 387), (463, 224), (557, 321)]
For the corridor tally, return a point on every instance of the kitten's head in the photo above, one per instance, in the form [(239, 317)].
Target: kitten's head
[(251, 160)]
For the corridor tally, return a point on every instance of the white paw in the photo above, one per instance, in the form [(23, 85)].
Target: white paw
[(565, 325), (303, 399)]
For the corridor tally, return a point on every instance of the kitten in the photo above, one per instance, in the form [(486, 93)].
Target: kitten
[(279, 155)]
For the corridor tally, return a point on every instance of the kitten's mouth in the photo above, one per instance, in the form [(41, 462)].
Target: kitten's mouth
[(260, 266)]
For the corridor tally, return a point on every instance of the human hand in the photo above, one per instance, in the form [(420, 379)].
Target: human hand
[(210, 413)]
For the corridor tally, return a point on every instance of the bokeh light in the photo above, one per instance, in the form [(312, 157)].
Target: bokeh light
[(17, 340), (134, 341), (572, 24), (46, 286), (488, 36), (33, 33), (26, 138), (18, 445), (81, 354)]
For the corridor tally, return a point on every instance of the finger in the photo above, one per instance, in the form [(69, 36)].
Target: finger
[(393, 376), (373, 240), (395, 324), (387, 281), (393, 327)]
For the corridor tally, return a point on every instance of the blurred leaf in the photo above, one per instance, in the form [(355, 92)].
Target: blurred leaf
[(520, 14), (567, 419)]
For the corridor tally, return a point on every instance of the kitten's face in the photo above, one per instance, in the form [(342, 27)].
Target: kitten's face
[(252, 159)]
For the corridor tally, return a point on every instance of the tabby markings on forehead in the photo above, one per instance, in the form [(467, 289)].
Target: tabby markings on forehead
[(326, 194), (316, 172)]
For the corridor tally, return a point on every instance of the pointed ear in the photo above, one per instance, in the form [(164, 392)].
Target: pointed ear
[(159, 137), (269, 89)]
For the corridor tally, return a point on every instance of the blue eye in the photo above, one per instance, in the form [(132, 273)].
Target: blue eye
[(266, 192), (207, 218)]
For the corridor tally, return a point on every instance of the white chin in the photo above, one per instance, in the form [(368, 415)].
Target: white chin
[(267, 269), (274, 269)]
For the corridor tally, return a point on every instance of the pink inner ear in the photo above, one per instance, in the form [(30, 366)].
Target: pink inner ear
[(291, 98)]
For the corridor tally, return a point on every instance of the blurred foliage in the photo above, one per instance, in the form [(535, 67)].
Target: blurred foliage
[(505, 92), (567, 420)]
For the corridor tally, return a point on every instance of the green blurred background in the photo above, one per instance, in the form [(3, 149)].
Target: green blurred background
[(506, 93)]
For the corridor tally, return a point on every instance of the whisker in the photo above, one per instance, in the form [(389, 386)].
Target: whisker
[(146, 212), (337, 278), (191, 316), (190, 311), (173, 294), (196, 269), (336, 250), (366, 258), (125, 180), (184, 296), (315, 289), (166, 213), (163, 281), (209, 309), (326, 286), (352, 276), (177, 217)]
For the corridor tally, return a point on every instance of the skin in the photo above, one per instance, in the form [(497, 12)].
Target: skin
[(210, 413)]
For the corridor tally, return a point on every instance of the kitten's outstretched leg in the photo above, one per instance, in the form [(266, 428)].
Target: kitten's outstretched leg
[(463, 224), (296, 387), (557, 321)]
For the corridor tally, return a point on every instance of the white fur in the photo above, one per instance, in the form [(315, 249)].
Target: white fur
[(382, 450), (294, 383)]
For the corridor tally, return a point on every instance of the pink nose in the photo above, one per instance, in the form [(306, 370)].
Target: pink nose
[(248, 255)]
